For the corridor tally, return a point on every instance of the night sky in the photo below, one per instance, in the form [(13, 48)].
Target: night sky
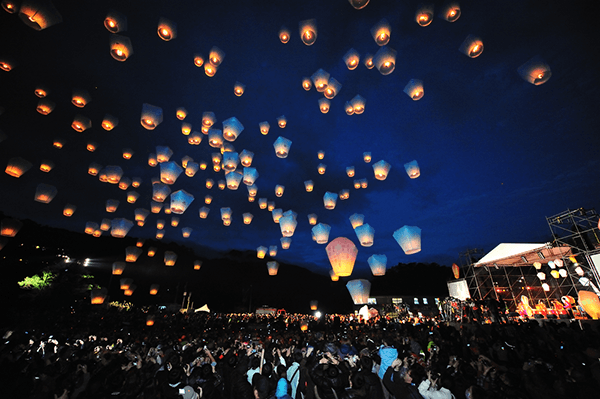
[(497, 154)]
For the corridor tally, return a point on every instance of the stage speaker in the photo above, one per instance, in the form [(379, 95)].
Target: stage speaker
[(551, 316), (538, 316), (564, 316)]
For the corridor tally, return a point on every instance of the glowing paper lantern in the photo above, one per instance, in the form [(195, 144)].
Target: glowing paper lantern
[(414, 89), (216, 56), (314, 304), (285, 242), (535, 71), (98, 296), (261, 252), (359, 291), (312, 219), (115, 22), (81, 123), (204, 212), (368, 61), (154, 289), (359, 4), (124, 183), (277, 214), (365, 234), (262, 203), (424, 15), (350, 171), (45, 106), (155, 207), (58, 143), (279, 189), (282, 121), (590, 303), (7, 65), (320, 79), (306, 83), (180, 200), (109, 122), (472, 46), (140, 243), (10, 6), (239, 88), (91, 146), (215, 138), (308, 31), (118, 268), (273, 250), (208, 199), (455, 270), (358, 104), (80, 98), (246, 158), (225, 213), (351, 59), (381, 32), (10, 227), (367, 157), (69, 210), (160, 192), (163, 153), (160, 224), (197, 264), (249, 177), (324, 105), (232, 128), (112, 205), (46, 165), (272, 267), (151, 116), (120, 47), (230, 161), (321, 233), (191, 169), (385, 60), (125, 283), (170, 258), (412, 169), (270, 206), (409, 238), (152, 161), (333, 276), (132, 254), (321, 168), (309, 185), (167, 30), (105, 224), (287, 224), (247, 217), (329, 200), (451, 12), (284, 35), (381, 169), (378, 264), (234, 179), (140, 215), (186, 128), (120, 227), (344, 194), (174, 220)]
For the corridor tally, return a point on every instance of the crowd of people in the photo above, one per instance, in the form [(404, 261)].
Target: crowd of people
[(111, 353)]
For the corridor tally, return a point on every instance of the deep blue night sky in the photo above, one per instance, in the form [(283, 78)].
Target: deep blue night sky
[(497, 154)]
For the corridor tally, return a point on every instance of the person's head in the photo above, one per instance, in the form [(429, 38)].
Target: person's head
[(414, 375), (260, 384)]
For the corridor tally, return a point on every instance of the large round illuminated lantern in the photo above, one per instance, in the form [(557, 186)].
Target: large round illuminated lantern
[(378, 264), (342, 254), (409, 238), (359, 291)]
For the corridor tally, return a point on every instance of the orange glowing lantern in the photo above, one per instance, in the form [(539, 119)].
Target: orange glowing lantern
[(120, 227), (356, 220), (351, 59), (279, 189), (309, 185), (348, 108), (186, 128), (284, 35), (368, 61), (198, 60), (285, 242), (154, 289), (58, 143), (41, 92), (273, 268), (81, 123), (412, 169), (321, 168), (215, 138), (197, 264), (94, 168), (282, 147), (170, 258), (10, 227), (169, 172), (90, 227), (378, 264), (381, 169), (118, 268), (344, 194), (350, 171), (424, 15), (365, 234), (414, 89), (208, 119), (98, 296), (287, 224), (324, 105), (132, 254), (113, 174), (125, 283), (150, 321), (535, 71), (333, 276), (152, 161), (109, 122), (451, 12), (261, 252), (314, 304), (80, 98), (216, 56), (332, 89), (112, 205), (151, 252), (151, 116), (357, 184), (381, 33), (312, 219), (69, 210), (385, 60), (262, 203), (330, 200), (282, 121), (163, 154), (308, 31), (91, 146), (129, 291), (238, 89), (247, 217), (120, 47), (277, 214), (320, 79), (160, 234), (342, 254), (140, 215), (180, 200), (306, 84), (46, 165), (10, 6), (270, 206), (45, 193), (181, 113), (174, 220), (472, 47), (358, 104), (455, 270), (115, 22), (409, 238), (45, 106), (273, 251), (191, 169), (232, 128), (210, 70), (155, 207), (167, 30), (367, 157)]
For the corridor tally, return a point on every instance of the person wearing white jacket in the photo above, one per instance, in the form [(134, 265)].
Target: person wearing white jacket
[(430, 389)]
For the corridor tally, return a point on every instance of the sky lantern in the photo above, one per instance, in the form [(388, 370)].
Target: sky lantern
[(152, 161), (381, 32), (46, 165), (140, 242), (284, 35), (208, 119), (329, 200), (368, 61), (312, 219), (203, 165), (7, 65), (216, 56), (151, 252), (155, 206), (321, 154), (132, 196), (129, 291), (351, 59), (10, 227), (197, 264), (208, 199), (409, 238), (80, 98), (210, 70), (227, 147), (160, 224), (141, 214), (535, 71), (365, 234), (115, 22), (273, 251), (58, 143), (238, 89), (358, 104), (232, 128), (186, 128), (472, 46), (424, 15), (151, 116), (308, 31), (321, 168), (125, 283), (225, 213), (192, 168), (264, 128), (105, 224), (342, 255), (306, 83), (233, 178), (262, 203), (367, 157), (309, 185), (181, 113), (320, 79), (252, 190), (45, 106), (10, 6), (332, 89), (385, 60), (180, 200), (160, 234), (350, 171), (45, 193), (412, 169), (90, 227), (250, 176), (39, 15), (455, 270), (170, 258), (285, 242), (282, 121), (356, 184), (358, 4), (98, 296), (127, 153), (344, 194), (272, 268), (261, 252), (321, 233), (324, 105), (277, 214), (333, 276), (41, 91), (359, 291), (414, 89), (160, 192), (132, 254), (120, 227), (209, 183), (204, 212), (216, 158), (230, 161), (112, 205), (314, 304), (215, 138), (287, 224), (279, 189), (69, 210), (246, 158), (91, 146), (163, 153), (120, 47), (154, 289), (451, 12), (381, 169), (174, 219), (167, 30), (113, 174), (247, 217), (377, 263), (198, 60), (118, 268), (169, 172), (81, 123)]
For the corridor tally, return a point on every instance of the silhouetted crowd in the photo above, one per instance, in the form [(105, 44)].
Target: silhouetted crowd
[(110, 353)]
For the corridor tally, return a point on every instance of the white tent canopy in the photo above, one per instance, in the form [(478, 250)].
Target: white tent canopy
[(521, 254)]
